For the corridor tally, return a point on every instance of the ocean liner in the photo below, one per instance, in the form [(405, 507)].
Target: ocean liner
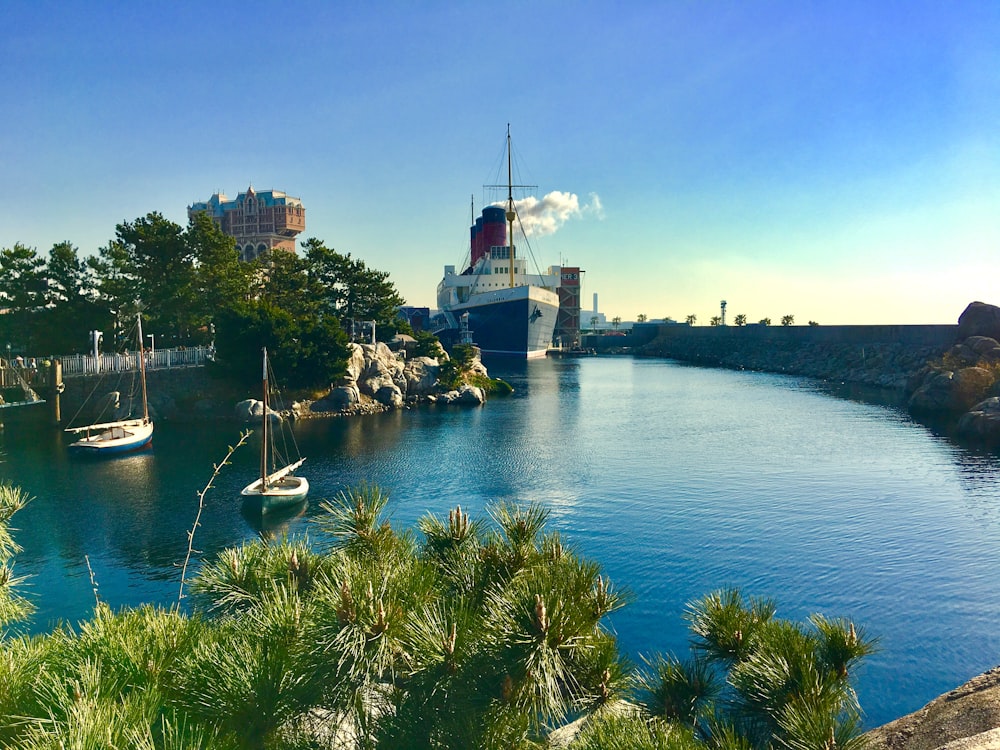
[(494, 302)]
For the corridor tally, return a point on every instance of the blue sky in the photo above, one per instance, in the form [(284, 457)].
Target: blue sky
[(839, 162)]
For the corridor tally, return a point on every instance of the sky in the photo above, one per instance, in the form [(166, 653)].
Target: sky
[(838, 162)]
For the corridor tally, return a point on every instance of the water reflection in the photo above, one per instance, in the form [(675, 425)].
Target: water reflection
[(275, 523)]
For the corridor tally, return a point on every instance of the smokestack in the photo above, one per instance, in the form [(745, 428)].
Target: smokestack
[(595, 303)]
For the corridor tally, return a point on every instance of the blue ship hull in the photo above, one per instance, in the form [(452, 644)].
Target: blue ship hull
[(516, 322)]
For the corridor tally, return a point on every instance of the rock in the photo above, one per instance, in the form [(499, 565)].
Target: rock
[(421, 374), (983, 346), (340, 398), (951, 391), (967, 718), (934, 392), (971, 385), (390, 395), (252, 410), (467, 395), (979, 319), (982, 421)]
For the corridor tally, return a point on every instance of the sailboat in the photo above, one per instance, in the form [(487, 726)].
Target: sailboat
[(275, 487), (124, 435)]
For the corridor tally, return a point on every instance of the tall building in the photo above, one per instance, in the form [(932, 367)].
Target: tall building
[(567, 331), (258, 222)]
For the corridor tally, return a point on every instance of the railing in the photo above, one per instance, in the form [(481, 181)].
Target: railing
[(78, 365)]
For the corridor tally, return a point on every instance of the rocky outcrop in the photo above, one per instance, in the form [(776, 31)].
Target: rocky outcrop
[(965, 381), (967, 718), (979, 319), (377, 380)]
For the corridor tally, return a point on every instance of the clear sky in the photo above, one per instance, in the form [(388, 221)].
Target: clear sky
[(835, 161)]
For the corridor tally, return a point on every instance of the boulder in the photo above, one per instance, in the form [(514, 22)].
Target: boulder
[(971, 385), (340, 398), (979, 319), (467, 395), (951, 391), (967, 718), (252, 410), (355, 363), (390, 395), (420, 374), (933, 394), (982, 421)]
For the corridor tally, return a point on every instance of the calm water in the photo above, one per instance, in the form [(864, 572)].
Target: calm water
[(679, 480)]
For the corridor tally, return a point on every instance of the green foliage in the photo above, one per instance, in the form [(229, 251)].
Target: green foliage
[(427, 345), (349, 290), (487, 633), (307, 351)]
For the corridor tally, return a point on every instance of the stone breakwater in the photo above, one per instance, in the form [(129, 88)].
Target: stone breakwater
[(881, 356)]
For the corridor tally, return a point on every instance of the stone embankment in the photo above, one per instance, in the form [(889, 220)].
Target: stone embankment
[(949, 372), (967, 718), (882, 356)]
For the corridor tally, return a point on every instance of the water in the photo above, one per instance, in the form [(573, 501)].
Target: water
[(679, 480)]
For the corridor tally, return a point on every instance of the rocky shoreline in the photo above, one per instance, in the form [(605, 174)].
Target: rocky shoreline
[(967, 718), (958, 381)]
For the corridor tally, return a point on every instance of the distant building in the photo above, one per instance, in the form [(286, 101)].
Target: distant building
[(567, 331), (417, 317), (259, 222)]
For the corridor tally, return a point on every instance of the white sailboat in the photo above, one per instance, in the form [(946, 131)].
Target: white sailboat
[(277, 486), (123, 435)]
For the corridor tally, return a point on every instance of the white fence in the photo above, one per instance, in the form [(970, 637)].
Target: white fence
[(161, 359)]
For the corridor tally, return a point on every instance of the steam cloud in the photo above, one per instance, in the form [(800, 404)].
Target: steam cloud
[(547, 215)]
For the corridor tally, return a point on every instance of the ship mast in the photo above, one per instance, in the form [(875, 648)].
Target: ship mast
[(511, 214)]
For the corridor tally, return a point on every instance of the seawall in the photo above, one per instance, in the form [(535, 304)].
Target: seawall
[(180, 394), (879, 355)]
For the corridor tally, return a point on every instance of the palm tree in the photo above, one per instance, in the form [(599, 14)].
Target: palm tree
[(715, 321), (616, 321), (765, 321), (593, 322), (641, 318), (740, 320), (691, 319), (787, 320)]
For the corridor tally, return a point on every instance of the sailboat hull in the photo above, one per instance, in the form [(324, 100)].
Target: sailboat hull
[(283, 493), (124, 437)]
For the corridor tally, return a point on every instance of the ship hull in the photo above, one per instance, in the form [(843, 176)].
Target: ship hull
[(514, 322)]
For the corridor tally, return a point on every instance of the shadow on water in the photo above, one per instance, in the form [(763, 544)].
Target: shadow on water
[(275, 523)]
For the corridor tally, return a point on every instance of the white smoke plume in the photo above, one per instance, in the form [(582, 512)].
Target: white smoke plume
[(540, 217)]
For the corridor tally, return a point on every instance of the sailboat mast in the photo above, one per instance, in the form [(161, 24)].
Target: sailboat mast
[(263, 433), (511, 214), (142, 370)]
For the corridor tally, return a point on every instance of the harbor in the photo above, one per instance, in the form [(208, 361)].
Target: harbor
[(676, 479)]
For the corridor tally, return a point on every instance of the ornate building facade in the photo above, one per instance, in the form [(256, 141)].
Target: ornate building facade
[(259, 222)]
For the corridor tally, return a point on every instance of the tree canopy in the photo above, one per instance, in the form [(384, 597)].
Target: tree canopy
[(193, 289)]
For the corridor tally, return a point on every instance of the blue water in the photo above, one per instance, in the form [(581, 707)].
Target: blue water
[(678, 480)]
